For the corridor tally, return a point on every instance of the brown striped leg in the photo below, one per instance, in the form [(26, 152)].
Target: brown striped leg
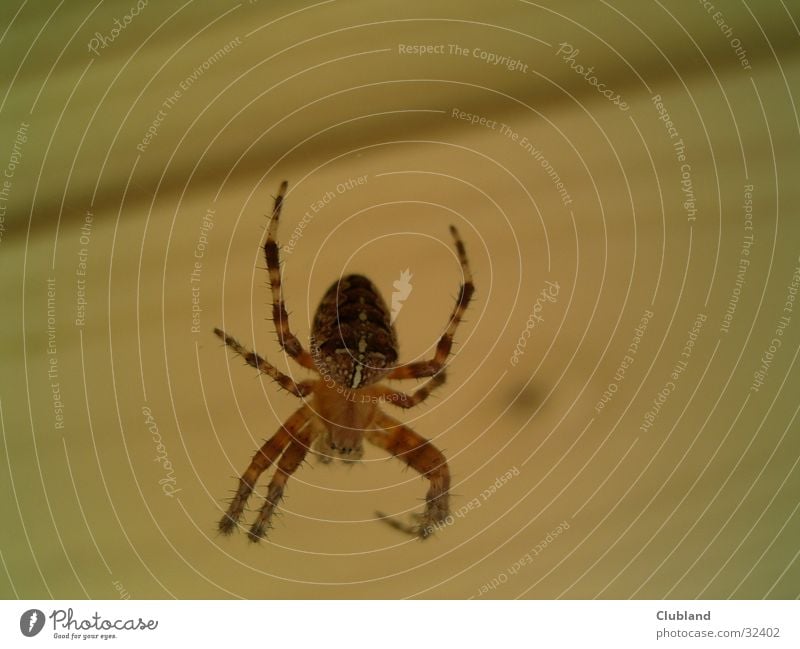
[(424, 457), (301, 389), (422, 369), (280, 317), (287, 465), (262, 460), (403, 400)]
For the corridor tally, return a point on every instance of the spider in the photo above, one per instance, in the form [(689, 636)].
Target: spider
[(353, 348)]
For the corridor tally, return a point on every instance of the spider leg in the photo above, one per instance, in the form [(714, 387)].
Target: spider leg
[(403, 400), (300, 390), (291, 459), (262, 460), (424, 457), (288, 341), (420, 369)]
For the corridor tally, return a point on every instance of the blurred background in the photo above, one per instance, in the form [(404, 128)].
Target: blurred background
[(619, 416)]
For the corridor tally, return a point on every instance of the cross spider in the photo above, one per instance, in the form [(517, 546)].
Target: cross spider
[(354, 346)]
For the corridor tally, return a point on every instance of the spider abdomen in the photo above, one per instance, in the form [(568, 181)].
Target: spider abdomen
[(352, 339)]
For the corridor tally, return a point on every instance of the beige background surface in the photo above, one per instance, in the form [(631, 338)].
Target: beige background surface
[(702, 504)]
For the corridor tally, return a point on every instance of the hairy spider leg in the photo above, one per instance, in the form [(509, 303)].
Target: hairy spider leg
[(422, 456), (403, 400), (300, 390), (288, 341), (420, 369), (291, 459), (262, 460)]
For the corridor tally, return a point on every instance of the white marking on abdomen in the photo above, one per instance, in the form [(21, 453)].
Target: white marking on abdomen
[(356, 376)]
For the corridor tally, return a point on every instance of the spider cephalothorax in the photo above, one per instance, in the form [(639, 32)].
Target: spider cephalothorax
[(353, 347)]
